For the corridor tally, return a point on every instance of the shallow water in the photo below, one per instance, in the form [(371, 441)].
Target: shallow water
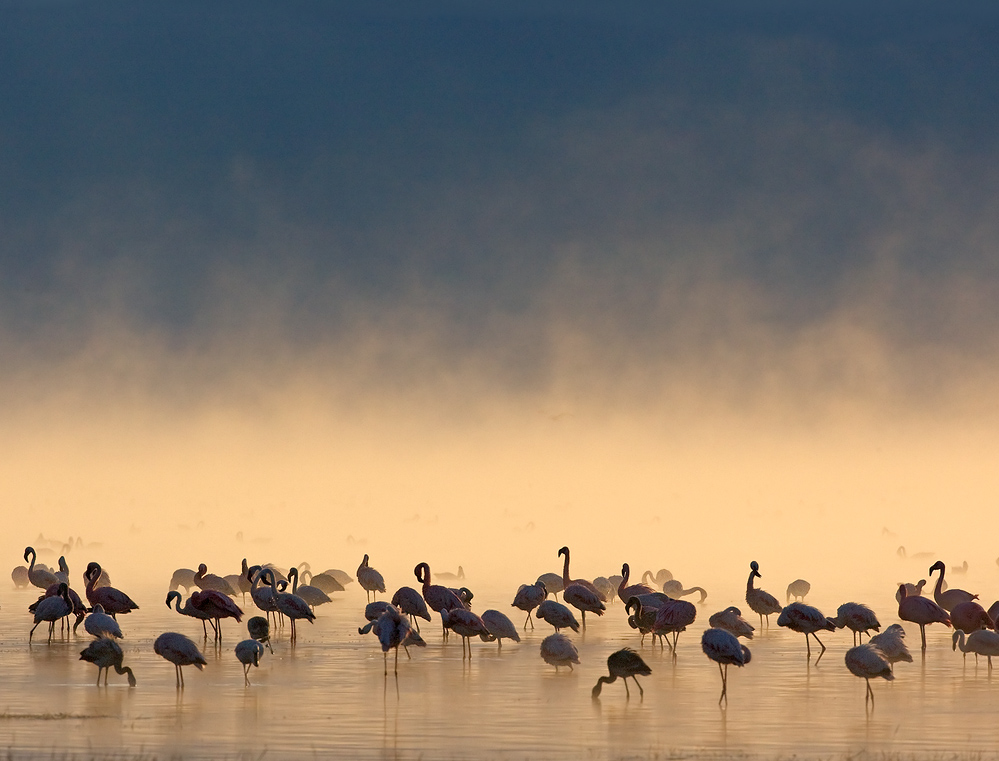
[(328, 694)]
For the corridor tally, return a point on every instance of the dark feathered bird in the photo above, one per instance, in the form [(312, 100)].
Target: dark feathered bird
[(624, 663)]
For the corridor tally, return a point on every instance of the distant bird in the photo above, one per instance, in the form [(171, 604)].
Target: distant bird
[(239, 581), (63, 573), (499, 626), (329, 584), (213, 582), (658, 579), (342, 577), (624, 663), (806, 619), (190, 610), (856, 617), (759, 601), (607, 589), (557, 650), (411, 602), (259, 629), (911, 590), (106, 654), (448, 576), (731, 620), (370, 580), (868, 662), (465, 624), (951, 597), (798, 589), (579, 593), (921, 610), (676, 590), (20, 577), (40, 577), (960, 569), (970, 616), (891, 643), (552, 582), (113, 600), (982, 642), (51, 609), (100, 624), (216, 606), (180, 651), (249, 652), (183, 577), (673, 617), (626, 591), (528, 597), (557, 615), (724, 648), (915, 556)]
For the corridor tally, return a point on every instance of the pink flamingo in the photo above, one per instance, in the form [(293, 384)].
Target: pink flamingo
[(921, 610), (113, 600)]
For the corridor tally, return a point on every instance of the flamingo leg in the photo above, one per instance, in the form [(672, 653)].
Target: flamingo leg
[(528, 619), (397, 659), (640, 690), (808, 646), (922, 635), (627, 692)]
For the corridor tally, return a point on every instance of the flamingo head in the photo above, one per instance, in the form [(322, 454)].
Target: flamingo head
[(625, 570), (28, 551), (422, 572), (938, 566), (202, 569), (563, 551), (633, 602), (755, 568)]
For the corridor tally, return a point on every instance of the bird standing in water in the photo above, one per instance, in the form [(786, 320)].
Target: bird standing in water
[(624, 663)]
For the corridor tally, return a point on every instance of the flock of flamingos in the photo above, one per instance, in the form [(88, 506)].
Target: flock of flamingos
[(654, 608)]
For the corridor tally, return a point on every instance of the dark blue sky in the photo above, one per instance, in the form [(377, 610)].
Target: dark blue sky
[(195, 168)]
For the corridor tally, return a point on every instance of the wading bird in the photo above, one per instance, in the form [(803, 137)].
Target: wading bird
[(724, 649), (528, 597), (249, 652), (106, 654), (922, 611), (370, 580), (759, 601), (624, 663), (806, 619), (557, 650), (867, 662), (180, 651)]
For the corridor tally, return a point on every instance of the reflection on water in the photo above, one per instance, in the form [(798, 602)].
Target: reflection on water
[(328, 694)]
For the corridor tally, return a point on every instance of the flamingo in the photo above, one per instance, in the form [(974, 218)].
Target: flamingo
[(891, 643), (673, 617), (262, 596), (969, 616), (438, 598), (558, 650), (20, 577), (369, 579), (393, 630), (856, 617), (911, 590), (239, 581), (951, 597), (724, 648), (249, 652), (63, 573), (867, 662), (341, 577), (78, 607), (499, 626), (328, 583), (312, 595), (100, 624), (623, 663), (212, 582), (552, 582), (579, 593), (180, 651), (731, 620), (557, 615), (806, 619), (113, 600), (40, 577), (626, 592), (606, 588), (51, 609), (643, 618), (982, 642), (293, 606), (216, 606), (798, 589), (467, 625), (675, 589), (759, 601), (411, 602), (960, 569), (189, 610), (106, 654), (528, 597), (259, 629), (921, 610), (915, 556), (658, 579)]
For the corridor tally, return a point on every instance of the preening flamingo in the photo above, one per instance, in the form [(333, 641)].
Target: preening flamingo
[(557, 650), (731, 620), (724, 648), (623, 664), (499, 626), (856, 617), (180, 651), (759, 601), (411, 602), (557, 615), (868, 662), (106, 654), (100, 624), (891, 643)]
